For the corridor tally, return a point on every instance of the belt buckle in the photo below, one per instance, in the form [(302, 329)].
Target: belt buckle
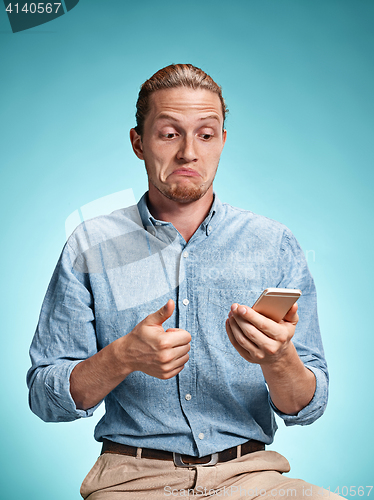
[(178, 462)]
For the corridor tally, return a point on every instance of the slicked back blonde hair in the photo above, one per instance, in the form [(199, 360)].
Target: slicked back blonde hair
[(173, 76)]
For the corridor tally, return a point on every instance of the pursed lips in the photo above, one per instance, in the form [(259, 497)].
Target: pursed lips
[(189, 172)]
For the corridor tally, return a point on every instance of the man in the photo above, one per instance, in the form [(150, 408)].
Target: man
[(149, 309)]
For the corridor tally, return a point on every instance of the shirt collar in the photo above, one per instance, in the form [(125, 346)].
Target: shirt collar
[(210, 222)]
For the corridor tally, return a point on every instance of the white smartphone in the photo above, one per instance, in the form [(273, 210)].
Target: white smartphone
[(274, 303)]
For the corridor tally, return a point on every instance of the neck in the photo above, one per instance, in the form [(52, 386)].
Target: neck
[(185, 217)]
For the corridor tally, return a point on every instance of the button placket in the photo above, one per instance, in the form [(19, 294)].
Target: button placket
[(186, 394)]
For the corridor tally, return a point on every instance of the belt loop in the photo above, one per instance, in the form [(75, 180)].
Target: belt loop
[(239, 451), (138, 453)]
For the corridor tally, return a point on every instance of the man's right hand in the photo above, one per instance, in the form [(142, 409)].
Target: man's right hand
[(147, 348), (150, 349)]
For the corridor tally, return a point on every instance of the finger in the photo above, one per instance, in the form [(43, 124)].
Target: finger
[(244, 315), (181, 352), (243, 352), (182, 360), (264, 332), (171, 374), (175, 365), (251, 339), (292, 316), (158, 317), (263, 345), (177, 337), (233, 340)]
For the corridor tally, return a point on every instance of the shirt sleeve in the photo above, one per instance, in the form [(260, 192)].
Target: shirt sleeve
[(65, 336), (307, 339)]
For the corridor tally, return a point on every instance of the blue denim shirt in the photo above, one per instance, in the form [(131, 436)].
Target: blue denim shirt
[(117, 269)]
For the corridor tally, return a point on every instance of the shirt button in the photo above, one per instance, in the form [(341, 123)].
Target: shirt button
[(201, 435), (209, 229), (188, 397), (186, 302), (185, 254)]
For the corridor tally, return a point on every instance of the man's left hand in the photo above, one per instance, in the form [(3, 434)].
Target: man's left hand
[(267, 343), (259, 339)]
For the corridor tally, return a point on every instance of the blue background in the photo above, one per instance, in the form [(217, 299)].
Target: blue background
[(297, 76)]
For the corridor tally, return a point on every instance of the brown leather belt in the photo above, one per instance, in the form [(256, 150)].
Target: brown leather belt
[(183, 460)]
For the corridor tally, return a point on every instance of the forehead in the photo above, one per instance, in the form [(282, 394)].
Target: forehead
[(184, 102)]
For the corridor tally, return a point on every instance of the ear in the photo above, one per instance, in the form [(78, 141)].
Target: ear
[(136, 142), (224, 136)]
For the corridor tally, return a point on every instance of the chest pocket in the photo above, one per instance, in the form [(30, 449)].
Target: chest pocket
[(219, 302)]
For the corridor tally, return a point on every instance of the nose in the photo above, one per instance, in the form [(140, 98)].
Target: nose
[(187, 150)]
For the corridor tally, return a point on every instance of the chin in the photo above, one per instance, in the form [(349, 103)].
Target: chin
[(184, 194)]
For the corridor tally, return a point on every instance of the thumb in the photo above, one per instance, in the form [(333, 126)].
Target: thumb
[(292, 315), (158, 317)]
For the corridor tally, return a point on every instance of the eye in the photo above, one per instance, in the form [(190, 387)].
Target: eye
[(169, 135), (206, 137)]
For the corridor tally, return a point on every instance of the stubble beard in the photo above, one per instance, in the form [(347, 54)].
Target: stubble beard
[(183, 194)]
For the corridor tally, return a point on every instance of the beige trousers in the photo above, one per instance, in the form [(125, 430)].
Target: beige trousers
[(256, 475)]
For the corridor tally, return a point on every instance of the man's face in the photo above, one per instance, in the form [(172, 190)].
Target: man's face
[(182, 141)]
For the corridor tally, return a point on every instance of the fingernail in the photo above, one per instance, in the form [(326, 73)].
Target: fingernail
[(242, 310), (234, 307), (230, 314)]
